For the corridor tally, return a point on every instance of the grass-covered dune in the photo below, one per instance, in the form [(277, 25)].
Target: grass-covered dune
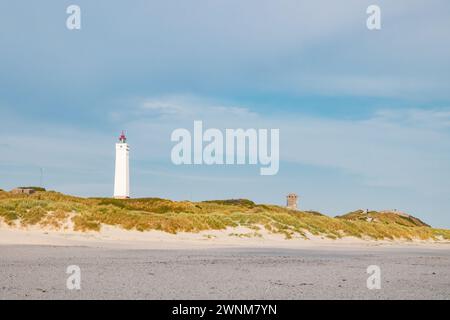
[(53, 209)]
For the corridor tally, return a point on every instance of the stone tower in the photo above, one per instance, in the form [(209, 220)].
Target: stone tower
[(122, 173), (291, 201)]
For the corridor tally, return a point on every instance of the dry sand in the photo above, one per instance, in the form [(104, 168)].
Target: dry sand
[(39, 272), (118, 264), (113, 237)]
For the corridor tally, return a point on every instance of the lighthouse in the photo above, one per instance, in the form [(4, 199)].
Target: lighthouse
[(122, 174)]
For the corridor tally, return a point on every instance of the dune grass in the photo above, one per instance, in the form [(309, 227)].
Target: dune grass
[(89, 214)]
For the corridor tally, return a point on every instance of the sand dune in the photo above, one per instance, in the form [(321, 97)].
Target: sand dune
[(110, 237)]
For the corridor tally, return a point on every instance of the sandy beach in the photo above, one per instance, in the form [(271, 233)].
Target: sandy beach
[(39, 272), (117, 264)]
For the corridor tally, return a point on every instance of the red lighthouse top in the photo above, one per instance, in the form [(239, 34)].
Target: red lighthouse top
[(122, 138)]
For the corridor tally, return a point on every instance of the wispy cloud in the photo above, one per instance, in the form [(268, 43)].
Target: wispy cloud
[(160, 107), (177, 107), (434, 118)]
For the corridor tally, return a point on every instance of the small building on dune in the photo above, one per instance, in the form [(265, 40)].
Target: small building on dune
[(291, 201), (25, 190)]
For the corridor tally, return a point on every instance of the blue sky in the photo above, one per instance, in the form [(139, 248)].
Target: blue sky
[(364, 117)]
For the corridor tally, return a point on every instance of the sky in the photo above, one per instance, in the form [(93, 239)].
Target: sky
[(364, 116)]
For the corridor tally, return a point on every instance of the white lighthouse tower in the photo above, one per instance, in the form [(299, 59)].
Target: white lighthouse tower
[(122, 175)]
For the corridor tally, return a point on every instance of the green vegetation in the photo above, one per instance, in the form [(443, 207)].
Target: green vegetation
[(384, 217), (54, 209)]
